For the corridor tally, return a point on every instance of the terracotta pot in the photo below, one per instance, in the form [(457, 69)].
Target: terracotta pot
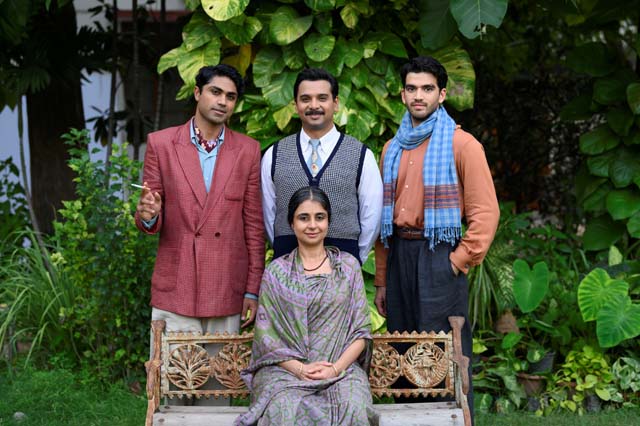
[(506, 323), (532, 383)]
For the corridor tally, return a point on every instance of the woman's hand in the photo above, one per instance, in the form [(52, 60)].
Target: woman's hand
[(321, 370)]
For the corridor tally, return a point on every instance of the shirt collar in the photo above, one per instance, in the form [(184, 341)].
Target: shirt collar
[(327, 141)]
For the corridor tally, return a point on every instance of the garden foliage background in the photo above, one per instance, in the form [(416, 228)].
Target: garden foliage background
[(551, 89)]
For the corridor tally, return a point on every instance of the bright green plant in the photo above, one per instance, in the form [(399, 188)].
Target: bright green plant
[(107, 259), (530, 286), (362, 43), (586, 372), (378, 322), (607, 301)]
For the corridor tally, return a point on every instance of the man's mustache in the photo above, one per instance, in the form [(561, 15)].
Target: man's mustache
[(314, 111)]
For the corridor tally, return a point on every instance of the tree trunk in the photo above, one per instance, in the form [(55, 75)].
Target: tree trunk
[(51, 113)]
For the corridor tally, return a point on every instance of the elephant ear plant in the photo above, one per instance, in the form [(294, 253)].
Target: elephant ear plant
[(608, 301)]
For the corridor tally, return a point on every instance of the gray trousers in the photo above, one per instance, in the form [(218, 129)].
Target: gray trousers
[(422, 292)]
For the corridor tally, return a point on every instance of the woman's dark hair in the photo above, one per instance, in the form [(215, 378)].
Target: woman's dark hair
[(312, 193)]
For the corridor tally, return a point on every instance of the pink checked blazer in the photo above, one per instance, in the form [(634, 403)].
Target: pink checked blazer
[(211, 248)]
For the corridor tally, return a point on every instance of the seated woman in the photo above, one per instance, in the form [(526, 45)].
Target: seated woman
[(312, 341)]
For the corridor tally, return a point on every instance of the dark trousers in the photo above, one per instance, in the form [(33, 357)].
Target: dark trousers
[(422, 292)]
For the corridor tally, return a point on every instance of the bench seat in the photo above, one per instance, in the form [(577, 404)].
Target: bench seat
[(432, 366)]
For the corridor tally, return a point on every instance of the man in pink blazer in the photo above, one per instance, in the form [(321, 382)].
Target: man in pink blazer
[(201, 192)]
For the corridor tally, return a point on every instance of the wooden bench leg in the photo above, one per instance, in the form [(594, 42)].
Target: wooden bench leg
[(153, 371), (462, 362)]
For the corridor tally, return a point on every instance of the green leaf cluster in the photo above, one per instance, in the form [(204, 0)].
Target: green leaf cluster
[(608, 186), (607, 301), (362, 43)]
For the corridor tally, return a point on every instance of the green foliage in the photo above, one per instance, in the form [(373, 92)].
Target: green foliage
[(107, 259), (36, 291), (14, 214), (590, 373), (607, 301), (608, 188), (626, 373), (362, 43), (530, 286), (378, 322)]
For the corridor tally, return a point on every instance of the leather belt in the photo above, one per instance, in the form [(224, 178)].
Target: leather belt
[(410, 233)]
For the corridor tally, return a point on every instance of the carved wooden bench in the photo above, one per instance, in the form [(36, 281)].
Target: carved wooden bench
[(434, 363)]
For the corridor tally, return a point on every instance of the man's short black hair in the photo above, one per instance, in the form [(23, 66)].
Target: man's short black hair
[(316, 74), (206, 74), (425, 64)]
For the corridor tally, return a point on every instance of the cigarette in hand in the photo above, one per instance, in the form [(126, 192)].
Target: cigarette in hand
[(135, 185), (248, 314)]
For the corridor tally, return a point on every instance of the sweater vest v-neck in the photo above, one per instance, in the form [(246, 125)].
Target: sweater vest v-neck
[(339, 178)]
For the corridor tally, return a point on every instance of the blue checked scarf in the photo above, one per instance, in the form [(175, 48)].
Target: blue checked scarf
[(441, 199)]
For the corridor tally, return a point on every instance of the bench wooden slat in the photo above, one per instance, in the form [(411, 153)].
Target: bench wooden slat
[(418, 414)]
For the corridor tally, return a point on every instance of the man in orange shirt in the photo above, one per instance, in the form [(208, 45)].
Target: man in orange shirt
[(434, 174)]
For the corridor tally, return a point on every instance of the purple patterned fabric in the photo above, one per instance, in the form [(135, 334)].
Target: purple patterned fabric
[(309, 318)]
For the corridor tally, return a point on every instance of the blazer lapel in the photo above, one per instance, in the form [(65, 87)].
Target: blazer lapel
[(190, 163), (225, 163)]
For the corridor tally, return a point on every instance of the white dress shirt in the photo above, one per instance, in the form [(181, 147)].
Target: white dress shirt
[(369, 191)]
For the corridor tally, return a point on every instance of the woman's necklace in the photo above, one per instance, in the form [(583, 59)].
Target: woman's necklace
[(317, 267)]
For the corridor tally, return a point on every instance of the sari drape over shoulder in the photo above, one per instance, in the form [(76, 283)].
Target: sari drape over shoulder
[(309, 318)]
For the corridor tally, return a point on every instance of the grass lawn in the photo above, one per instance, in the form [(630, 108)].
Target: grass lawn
[(62, 398), (57, 398)]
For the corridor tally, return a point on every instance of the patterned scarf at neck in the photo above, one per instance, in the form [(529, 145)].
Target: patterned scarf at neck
[(441, 198), (207, 145)]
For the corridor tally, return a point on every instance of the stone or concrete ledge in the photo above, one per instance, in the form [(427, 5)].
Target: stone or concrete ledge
[(417, 414)]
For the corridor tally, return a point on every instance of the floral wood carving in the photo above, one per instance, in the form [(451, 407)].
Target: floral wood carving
[(385, 366), (188, 367), (226, 366), (425, 365)]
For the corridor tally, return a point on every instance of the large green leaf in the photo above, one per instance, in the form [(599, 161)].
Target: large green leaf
[(579, 108), (595, 290), (192, 4), (280, 91), (350, 15), (392, 80), (323, 23), (623, 203), (618, 320), (221, 10), (353, 52), (268, 62), (171, 58), (599, 164), (378, 63), (321, 5), (287, 26), (240, 60), (625, 167), (633, 97), (319, 47), (284, 115), (293, 56), (385, 42), (358, 125), (620, 120), (191, 62), (241, 29), (633, 225), (529, 286), (601, 233), (462, 77), (597, 200), (473, 16), (436, 25), (598, 141), (198, 31), (593, 58), (612, 89)]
